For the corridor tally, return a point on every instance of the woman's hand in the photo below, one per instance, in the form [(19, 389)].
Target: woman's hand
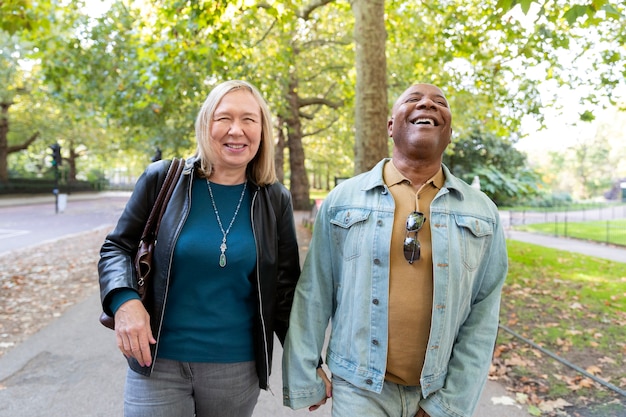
[(329, 389), (133, 333)]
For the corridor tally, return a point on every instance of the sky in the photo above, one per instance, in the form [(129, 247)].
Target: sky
[(564, 127), (96, 8)]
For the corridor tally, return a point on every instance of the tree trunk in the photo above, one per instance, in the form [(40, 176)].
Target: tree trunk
[(371, 84), (4, 143), (71, 161), (299, 181), (5, 149), (279, 149)]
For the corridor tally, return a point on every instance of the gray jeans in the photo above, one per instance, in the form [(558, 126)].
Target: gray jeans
[(183, 389)]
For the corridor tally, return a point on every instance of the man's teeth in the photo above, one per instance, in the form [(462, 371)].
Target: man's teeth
[(422, 121)]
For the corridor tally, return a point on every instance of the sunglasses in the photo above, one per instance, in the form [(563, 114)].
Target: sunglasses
[(414, 223)]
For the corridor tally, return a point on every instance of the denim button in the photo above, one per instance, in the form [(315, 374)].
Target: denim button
[(375, 342), (375, 301), (369, 381), (376, 261)]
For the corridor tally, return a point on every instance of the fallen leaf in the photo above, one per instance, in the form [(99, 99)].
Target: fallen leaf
[(504, 400), (517, 361), (558, 404), (594, 370), (586, 383), (521, 398)]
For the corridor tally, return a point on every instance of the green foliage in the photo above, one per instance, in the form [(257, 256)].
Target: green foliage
[(572, 12), (135, 77), (502, 169), (21, 16), (588, 167), (546, 199)]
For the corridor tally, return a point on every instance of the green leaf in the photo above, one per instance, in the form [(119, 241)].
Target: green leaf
[(505, 5), (525, 5), (575, 12), (587, 116), (611, 12)]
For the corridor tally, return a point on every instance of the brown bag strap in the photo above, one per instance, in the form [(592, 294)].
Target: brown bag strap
[(154, 220)]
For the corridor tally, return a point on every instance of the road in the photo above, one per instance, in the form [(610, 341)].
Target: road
[(28, 221)]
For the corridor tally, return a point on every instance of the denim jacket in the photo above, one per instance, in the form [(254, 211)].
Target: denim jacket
[(345, 279)]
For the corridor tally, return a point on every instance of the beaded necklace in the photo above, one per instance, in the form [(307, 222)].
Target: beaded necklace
[(219, 221)]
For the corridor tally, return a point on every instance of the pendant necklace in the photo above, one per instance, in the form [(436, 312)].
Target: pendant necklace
[(219, 221)]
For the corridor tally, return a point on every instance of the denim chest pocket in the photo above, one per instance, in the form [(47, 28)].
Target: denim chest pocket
[(348, 231), (475, 235)]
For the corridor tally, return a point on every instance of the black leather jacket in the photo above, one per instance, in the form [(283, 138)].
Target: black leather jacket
[(277, 269)]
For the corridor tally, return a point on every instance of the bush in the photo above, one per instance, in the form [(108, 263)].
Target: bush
[(42, 186)]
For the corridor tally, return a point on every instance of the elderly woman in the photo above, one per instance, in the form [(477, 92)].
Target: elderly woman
[(226, 265)]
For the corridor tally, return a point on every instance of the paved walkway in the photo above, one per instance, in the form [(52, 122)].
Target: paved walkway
[(598, 250), (72, 367)]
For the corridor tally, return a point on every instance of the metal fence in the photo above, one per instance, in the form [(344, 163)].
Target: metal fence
[(614, 234)]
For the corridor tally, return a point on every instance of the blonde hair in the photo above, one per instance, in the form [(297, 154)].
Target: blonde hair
[(261, 169)]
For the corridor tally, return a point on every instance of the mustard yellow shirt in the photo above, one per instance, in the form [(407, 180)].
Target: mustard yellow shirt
[(410, 285)]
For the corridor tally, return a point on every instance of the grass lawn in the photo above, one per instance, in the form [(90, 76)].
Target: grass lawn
[(605, 231), (574, 306)]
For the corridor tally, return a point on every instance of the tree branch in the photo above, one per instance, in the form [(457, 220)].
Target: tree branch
[(315, 132), (23, 145), (319, 101), (306, 10), (323, 42), (267, 32)]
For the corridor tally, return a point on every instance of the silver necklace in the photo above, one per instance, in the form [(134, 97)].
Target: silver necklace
[(219, 221)]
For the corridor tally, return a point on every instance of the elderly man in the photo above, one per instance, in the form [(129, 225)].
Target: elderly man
[(407, 262)]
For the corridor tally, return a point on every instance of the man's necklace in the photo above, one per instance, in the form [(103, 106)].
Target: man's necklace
[(219, 221)]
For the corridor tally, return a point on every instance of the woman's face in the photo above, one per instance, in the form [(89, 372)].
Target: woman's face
[(236, 129)]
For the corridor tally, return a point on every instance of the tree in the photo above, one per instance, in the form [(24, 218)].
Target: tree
[(25, 35), (12, 88), (501, 169), (141, 72), (235, 41), (309, 93), (584, 170), (593, 34), (371, 84)]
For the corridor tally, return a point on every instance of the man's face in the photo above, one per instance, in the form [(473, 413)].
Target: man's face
[(421, 122)]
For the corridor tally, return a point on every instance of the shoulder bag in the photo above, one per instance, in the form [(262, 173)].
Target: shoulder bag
[(143, 259)]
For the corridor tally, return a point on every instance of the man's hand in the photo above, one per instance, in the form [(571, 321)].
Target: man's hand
[(422, 413), (329, 389), (133, 333)]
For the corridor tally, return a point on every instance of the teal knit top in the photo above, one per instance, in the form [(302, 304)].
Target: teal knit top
[(210, 309)]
